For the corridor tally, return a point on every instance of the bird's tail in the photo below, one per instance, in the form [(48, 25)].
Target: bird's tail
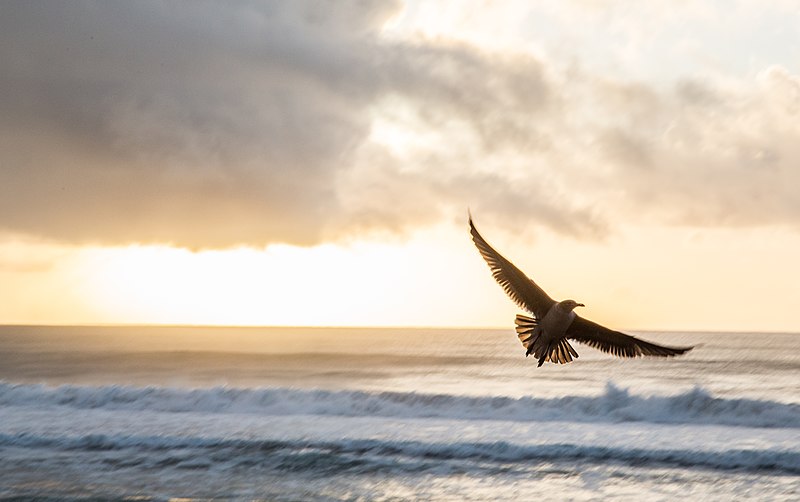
[(525, 331), (556, 351)]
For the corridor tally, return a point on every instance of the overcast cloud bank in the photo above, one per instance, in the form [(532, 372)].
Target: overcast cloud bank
[(209, 124)]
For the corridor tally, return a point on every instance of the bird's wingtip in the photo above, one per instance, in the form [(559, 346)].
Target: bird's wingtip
[(678, 351), (472, 228)]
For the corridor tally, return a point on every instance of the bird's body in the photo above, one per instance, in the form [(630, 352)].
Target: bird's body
[(557, 320), (546, 335)]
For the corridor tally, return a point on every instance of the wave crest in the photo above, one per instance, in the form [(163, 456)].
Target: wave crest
[(615, 404)]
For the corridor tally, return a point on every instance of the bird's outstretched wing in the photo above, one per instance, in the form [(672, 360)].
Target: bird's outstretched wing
[(619, 344), (517, 285)]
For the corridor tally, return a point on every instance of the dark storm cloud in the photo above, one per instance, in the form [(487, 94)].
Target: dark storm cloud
[(209, 124)]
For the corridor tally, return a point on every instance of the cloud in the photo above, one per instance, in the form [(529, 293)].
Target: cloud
[(210, 124), (207, 125), (196, 123), (702, 154)]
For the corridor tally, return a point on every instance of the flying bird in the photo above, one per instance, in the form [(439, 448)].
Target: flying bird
[(546, 335)]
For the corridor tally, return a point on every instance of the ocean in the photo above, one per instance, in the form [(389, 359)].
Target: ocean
[(199, 413)]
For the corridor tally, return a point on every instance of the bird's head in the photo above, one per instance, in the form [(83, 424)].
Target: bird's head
[(569, 305)]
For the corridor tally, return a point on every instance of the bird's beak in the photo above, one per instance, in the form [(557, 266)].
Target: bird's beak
[(580, 305)]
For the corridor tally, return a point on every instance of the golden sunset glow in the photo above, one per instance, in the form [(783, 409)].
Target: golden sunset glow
[(367, 284), (435, 279)]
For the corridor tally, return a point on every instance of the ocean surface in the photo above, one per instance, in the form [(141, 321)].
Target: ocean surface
[(195, 413)]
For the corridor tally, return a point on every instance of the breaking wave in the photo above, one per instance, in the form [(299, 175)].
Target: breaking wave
[(696, 406), (373, 455)]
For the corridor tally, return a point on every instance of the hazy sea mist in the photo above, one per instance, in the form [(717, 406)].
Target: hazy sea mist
[(381, 414)]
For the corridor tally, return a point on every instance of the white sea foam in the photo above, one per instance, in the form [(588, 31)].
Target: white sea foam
[(614, 405)]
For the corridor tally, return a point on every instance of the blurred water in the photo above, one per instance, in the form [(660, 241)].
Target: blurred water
[(375, 414)]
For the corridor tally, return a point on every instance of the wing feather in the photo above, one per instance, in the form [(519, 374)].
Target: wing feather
[(594, 335), (525, 293)]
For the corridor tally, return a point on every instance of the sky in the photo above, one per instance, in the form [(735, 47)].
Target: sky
[(312, 162)]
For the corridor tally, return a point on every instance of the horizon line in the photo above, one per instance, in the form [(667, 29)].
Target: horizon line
[(359, 327)]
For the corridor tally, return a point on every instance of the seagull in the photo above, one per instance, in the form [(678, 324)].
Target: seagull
[(546, 335)]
